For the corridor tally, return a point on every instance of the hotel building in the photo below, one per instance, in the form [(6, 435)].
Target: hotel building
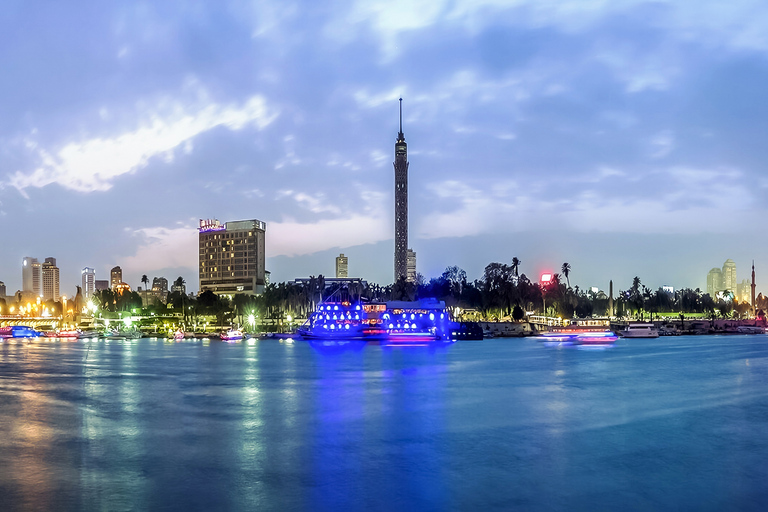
[(50, 273), (231, 256), (31, 276), (88, 281)]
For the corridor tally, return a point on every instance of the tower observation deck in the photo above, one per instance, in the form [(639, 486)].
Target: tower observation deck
[(401, 202)]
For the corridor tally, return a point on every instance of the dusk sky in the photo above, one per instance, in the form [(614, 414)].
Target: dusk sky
[(628, 138)]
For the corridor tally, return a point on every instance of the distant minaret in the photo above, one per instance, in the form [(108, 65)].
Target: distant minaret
[(401, 202), (610, 298), (753, 285)]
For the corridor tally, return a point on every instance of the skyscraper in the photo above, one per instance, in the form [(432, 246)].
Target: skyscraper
[(50, 274), (160, 287), (714, 282), (31, 276), (411, 266), (115, 277), (88, 282), (753, 284), (401, 202), (342, 266), (729, 276), (232, 256)]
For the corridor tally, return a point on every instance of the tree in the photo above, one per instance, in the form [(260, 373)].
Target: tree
[(566, 269), (515, 265), (144, 281)]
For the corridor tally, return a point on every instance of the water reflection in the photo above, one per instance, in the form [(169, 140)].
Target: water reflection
[(105, 425)]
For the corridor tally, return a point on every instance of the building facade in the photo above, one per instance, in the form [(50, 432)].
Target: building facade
[(88, 282), (342, 266), (31, 276), (410, 275), (2, 289), (231, 256), (729, 276), (101, 285), (160, 287), (401, 202), (714, 282), (115, 277), (50, 273)]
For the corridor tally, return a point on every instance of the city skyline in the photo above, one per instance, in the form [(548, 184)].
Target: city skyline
[(625, 139)]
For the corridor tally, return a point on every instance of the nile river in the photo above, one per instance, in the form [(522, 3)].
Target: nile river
[(667, 424)]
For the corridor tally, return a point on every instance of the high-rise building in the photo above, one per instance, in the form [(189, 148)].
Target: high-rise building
[(753, 285), (742, 291), (729, 276), (160, 287), (50, 273), (342, 266), (2, 290), (179, 287), (31, 276), (410, 274), (714, 282), (115, 277), (101, 285), (88, 282), (231, 256), (401, 202)]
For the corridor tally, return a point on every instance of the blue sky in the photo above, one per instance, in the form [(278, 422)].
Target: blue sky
[(624, 137)]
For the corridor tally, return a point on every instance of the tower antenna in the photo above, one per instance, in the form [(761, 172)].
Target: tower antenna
[(401, 118)]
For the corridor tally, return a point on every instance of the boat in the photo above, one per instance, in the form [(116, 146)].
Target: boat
[(394, 322), (19, 331), (640, 330), (750, 329), (579, 335), (232, 335), (68, 333)]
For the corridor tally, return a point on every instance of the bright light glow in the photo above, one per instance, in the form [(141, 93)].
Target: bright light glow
[(546, 278)]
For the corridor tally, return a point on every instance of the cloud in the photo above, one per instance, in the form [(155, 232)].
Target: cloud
[(93, 164), (291, 238), (162, 247), (681, 200), (662, 144)]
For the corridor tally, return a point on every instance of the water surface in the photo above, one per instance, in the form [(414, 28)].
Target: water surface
[(668, 424)]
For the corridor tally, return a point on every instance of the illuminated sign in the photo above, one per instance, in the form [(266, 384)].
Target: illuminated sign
[(210, 225), (546, 278)]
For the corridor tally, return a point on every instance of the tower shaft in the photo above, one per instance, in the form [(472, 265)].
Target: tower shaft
[(401, 202)]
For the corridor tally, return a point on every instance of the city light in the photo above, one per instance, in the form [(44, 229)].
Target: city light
[(546, 278)]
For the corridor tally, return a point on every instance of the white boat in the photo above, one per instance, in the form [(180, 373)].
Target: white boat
[(640, 330), (750, 329)]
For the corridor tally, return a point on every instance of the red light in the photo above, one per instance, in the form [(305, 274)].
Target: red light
[(546, 278)]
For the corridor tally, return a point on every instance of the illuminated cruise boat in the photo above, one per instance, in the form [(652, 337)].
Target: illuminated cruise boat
[(578, 335), (394, 322), (19, 331)]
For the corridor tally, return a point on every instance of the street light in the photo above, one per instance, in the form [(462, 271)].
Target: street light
[(546, 278)]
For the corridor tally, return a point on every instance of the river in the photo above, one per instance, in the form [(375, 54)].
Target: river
[(668, 424)]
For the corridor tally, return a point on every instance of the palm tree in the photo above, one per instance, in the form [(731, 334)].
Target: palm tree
[(515, 264), (566, 269), (144, 280)]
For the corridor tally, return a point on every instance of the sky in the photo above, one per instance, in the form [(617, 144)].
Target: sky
[(625, 137)]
